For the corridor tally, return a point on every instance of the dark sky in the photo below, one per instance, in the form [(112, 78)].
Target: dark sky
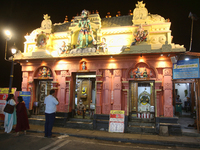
[(23, 16)]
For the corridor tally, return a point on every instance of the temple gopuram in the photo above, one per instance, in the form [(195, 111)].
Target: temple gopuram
[(101, 64)]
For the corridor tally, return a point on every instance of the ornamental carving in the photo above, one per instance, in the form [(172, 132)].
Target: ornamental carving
[(168, 111), (117, 86), (167, 86), (117, 107), (106, 86), (167, 72), (117, 73), (107, 73), (25, 74), (63, 73), (98, 109)]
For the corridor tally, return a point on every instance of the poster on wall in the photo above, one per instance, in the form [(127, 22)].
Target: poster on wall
[(186, 69), (3, 97), (116, 121), (26, 97)]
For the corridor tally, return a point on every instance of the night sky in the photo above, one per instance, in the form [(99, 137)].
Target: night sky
[(23, 16)]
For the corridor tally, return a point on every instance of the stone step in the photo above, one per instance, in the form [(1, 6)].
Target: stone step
[(79, 124), (141, 129), (148, 124)]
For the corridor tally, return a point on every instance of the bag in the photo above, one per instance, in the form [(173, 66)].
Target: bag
[(9, 108)]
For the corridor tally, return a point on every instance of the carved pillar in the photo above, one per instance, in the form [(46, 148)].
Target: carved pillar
[(107, 84), (98, 86), (25, 81), (167, 92), (125, 99), (68, 91), (117, 90), (62, 91)]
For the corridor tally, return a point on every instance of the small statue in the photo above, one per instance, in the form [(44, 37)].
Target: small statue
[(63, 48), (103, 45), (145, 73), (48, 73), (131, 74), (83, 66), (140, 36), (137, 73), (40, 73), (44, 72)]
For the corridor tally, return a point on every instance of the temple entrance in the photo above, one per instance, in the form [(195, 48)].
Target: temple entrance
[(142, 100), (85, 94), (43, 88), (184, 103)]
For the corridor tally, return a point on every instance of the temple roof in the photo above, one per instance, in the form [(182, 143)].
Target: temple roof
[(61, 27), (117, 21), (105, 22)]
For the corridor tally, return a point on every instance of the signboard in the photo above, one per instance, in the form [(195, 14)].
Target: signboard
[(186, 69), (3, 96), (116, 122), (26, 97)]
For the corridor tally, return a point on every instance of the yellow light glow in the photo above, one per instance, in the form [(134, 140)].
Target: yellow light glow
[(161, 64), (112, 65), (7, 32), (54, 53), (141, 60), (48, 52)]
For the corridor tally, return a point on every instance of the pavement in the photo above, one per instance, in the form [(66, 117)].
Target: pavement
[(182, 141)]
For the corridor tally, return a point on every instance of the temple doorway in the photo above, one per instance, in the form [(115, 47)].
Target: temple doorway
[(142, 100), (85, 95), (184, 103), (43, 88)]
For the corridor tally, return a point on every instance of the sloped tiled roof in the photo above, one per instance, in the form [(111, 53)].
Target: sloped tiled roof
[(117, 21), (61, 27), (105, 22)]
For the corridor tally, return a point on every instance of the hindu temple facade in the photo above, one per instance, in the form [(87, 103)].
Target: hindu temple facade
[(116, 63)]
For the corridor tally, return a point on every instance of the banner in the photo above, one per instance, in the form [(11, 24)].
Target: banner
[(116, 122), (26, 97), (186, 69), (3, 96)]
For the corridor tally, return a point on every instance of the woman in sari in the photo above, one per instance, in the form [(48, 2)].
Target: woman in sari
[(22, 117), (10, 119)]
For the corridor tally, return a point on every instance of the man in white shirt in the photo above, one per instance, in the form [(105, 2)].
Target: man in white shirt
[(50, 112)]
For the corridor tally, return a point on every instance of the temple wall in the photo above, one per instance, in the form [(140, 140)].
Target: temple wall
[(112, 81)]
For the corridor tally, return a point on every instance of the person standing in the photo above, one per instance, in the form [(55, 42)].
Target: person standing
[(50, 112), (22, 117), (10, 119)]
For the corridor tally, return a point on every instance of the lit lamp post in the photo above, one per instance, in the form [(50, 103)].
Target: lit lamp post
[(13, 50)]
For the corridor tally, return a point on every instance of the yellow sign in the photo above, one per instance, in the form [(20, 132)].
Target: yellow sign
[(117, 112), (6, 90)]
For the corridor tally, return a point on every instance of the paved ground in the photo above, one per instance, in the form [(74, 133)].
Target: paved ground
[(185, 141)]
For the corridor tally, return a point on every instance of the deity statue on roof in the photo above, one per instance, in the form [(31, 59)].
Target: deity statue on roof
[(86, 30), (140, 36), (145, 73), (138, 73)]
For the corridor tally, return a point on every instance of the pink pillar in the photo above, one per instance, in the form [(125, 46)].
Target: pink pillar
[(107, 85), (24, 81), (167, 92), (125, 99), (117, 90)]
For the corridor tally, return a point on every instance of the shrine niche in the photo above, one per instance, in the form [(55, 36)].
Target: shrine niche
[(83, 66), (41, 39), (142, 72), (44, 72)]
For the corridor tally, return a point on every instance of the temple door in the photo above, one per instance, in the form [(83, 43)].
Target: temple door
[(197, 98), (134, 96)]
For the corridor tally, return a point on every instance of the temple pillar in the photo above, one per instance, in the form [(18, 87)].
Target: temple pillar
[(125, 97), (25, 81), (167, 92), (107, 85), (116, 98)]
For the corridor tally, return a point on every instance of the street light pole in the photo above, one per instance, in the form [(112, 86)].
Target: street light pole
[(11, 76)]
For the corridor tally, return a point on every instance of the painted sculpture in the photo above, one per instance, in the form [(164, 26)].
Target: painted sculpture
[(103, 45), (137, 73), (145, 75), (83, 66), (86, 30), (140, 36), (63, 49)]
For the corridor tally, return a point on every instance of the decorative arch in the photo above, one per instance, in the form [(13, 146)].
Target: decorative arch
[(37, 72), (151, 71)]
